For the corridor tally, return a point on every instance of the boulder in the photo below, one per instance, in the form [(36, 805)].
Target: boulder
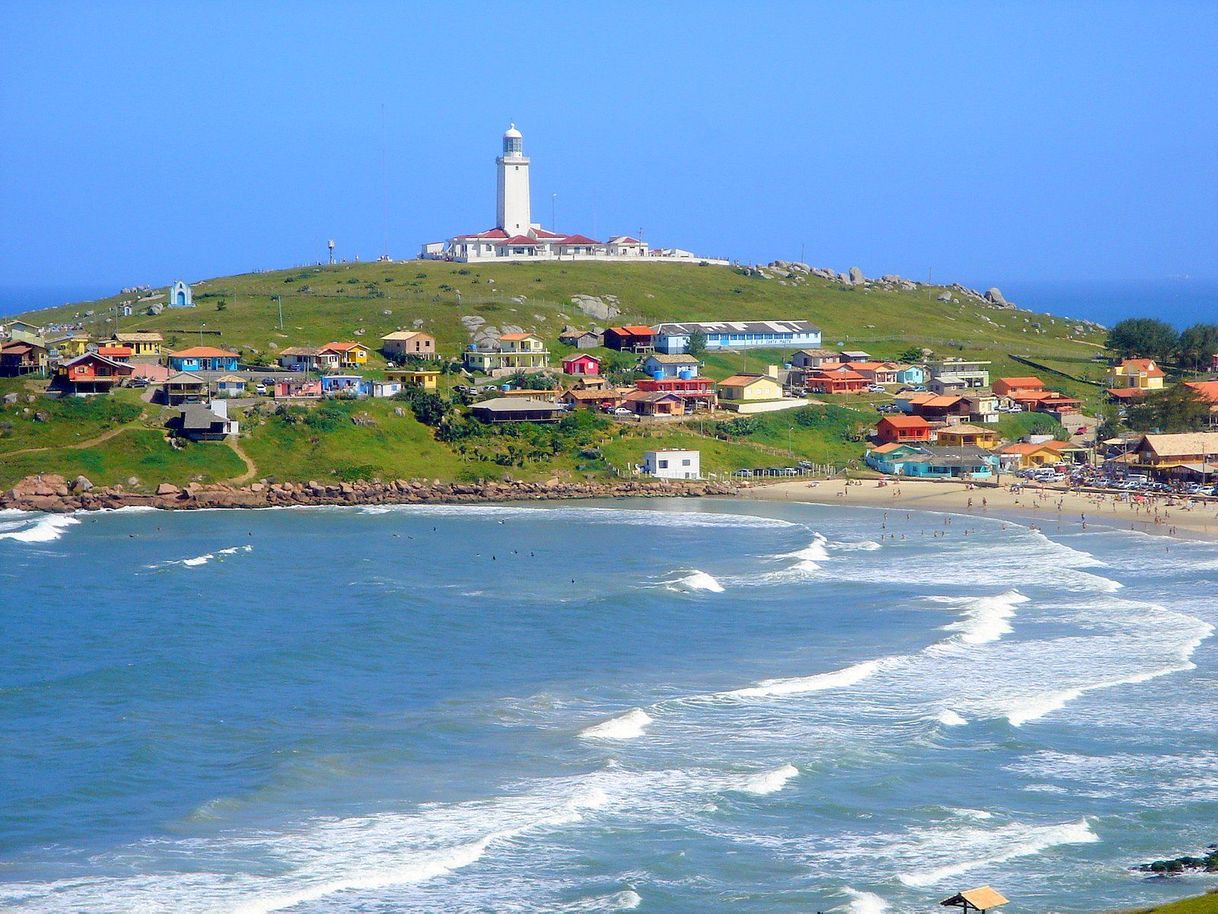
[(856, 277), (994, 297), (166, 488), (10, 398), (81, 484), (945, 296)]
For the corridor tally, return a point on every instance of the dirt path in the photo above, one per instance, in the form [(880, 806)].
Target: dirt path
[(251, 469), (79, 445)]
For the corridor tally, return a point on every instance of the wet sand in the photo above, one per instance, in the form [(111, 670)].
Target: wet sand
[(1049, 509)]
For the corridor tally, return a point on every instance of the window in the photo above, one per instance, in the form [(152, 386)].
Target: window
[(684, 463), (663, 464)]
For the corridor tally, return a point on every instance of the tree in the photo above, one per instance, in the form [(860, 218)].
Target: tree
[(1198, 345), (1176, 409), (697, 343), (912, 354), (1143, 337)]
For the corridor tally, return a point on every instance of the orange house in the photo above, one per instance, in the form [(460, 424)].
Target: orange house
[(1005, 387), (902, 430)]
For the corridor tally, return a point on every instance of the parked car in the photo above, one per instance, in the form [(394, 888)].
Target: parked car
[(621, 411), (260, 390), (877, 388)]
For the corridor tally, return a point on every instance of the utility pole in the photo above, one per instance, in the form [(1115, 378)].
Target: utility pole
[(279, 301), (554, 212)]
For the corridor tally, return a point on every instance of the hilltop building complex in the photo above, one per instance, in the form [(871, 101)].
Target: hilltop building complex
[(516, 236)]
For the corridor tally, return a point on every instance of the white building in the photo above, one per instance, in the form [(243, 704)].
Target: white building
[(180, 295), (671, 463), (517, 237), (674, 337)]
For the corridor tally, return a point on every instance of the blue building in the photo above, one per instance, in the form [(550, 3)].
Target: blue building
[(661, 365), (931, 462), (345, 385), (911, 374), (180, 295), (674, 338), (203, 358)]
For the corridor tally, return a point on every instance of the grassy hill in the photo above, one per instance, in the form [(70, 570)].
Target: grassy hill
[(364, 301)]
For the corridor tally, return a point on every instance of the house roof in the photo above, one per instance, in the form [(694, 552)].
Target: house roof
[(404, 335), (937, 401), (624, 239), (890, 447), (634, 330), (199, 417), (686, 327), (203, 352), (343, 347), (578, 239), (651, 396), (966, 429), (96, 357), (545, 233), (581, 357), (905, 421), (1027, 447), (489, 233), (300, 350), (230, 379), (666, 359), (185, 377), (517, 405), (868, 366), (837, 374), (981, 898), (21, 347), (519, 336), (580, 394), (113, 351), (1147, 365), (141, 336), (820, 353), (1182, 445), (1207, 389), (745, 380), (516, 239), (1027, 382), (1127, 393)]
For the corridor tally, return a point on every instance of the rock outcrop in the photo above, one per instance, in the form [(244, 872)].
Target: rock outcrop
[(51, 493)]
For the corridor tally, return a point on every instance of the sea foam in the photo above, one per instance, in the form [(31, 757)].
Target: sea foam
[(802, 685), (38, 528), (983, 619), (696, 580), (769, 781), (630, 725)]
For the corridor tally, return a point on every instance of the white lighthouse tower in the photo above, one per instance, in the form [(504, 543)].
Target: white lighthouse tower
[(514, 213)]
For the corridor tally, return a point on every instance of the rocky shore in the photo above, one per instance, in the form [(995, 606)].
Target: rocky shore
[(56, 494)]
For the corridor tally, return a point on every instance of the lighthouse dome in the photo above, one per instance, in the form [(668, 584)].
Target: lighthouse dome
[(512, 133)]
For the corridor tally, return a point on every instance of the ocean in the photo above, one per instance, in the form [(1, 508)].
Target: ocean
[(662, 706), (1180, 302)]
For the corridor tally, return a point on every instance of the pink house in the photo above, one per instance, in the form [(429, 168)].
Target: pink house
[(581, 363)]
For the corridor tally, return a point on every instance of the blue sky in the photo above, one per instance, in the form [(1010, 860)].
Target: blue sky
[(148, 141)]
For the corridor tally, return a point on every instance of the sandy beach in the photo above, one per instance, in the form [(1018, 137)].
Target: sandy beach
[(1047, 508)]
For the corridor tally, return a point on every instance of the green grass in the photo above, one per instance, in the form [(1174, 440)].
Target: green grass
[(1202, 904), (69, 420), (142, 453), (349, 301)]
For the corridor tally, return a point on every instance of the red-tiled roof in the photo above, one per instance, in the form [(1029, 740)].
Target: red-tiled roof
[(343, 347), (634, 330), (489, 233), (114, 351), (1207, 389), (1023, 383), (579, 239), (906, 421), (517, 239), (546, 233)]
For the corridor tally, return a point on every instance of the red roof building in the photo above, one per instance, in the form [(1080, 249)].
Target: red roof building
[(695, 392), (902, 430), (90, 373), (631, 338), (1004, 387), (834, 381)]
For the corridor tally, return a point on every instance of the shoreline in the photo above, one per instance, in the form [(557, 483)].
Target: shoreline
[(53, 494), (1045, 509)]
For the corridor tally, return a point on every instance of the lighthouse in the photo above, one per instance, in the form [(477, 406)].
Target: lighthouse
[(513, 213)]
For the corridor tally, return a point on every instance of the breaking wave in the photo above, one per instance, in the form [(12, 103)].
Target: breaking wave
[(696, 580), (864, 902), (779, 688), (36, 528), (630, 725), (769, 781), (984, 618)]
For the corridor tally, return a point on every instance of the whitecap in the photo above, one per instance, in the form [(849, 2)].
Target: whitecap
[(765, 782), (696, 580), (950, 718), (984, 618), (1007, 843), (39, 528), (864, 902), (630, 725), (802, 685)]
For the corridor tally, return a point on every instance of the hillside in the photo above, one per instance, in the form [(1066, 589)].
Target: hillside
[(452, 301)]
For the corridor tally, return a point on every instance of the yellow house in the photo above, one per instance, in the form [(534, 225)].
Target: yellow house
[(1027, 456), (968, 435), (740, 390), (143, 342), (1143, 374), (350, 355), (516, 352), (425, 378), (74, 347)]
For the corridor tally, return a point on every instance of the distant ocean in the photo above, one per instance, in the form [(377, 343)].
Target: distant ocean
[(1180, 302), (15, 299), (664, 706)]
